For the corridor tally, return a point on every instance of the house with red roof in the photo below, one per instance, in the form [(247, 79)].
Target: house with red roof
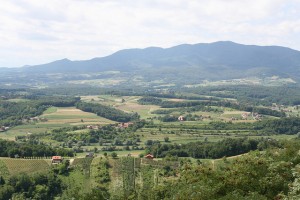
[(149, 156), (57, 159)]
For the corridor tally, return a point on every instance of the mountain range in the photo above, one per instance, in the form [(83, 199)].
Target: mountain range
[(188, 63)]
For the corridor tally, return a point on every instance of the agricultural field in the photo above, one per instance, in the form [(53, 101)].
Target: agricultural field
[(16, 166), (130, 104), (124, 103), (56, 117), (71, 116)]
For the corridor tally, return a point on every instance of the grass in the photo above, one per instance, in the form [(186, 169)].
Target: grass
[(26, 129), (76, 183), (82, 177), (50, 110), (18, 100), (16, 166), (72, 116)]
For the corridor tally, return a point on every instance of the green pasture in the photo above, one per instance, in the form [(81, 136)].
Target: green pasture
[(50, 110)]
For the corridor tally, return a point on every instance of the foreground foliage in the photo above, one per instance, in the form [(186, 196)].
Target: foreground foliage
[(267, 175)]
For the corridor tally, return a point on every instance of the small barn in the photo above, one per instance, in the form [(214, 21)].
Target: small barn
[(149, 156), (57, 159), (181, 118)]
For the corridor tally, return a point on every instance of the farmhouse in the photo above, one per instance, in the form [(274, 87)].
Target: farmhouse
[(149, 156), (245, 116), (56, 159), (34, 119), (92, 127), (125, 125)]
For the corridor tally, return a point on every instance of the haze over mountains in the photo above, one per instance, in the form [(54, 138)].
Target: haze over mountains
[(183, 63)]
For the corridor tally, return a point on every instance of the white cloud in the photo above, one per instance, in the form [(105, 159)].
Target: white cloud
[(40, 31)]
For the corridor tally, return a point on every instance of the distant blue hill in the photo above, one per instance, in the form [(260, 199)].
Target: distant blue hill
[(215, 61)]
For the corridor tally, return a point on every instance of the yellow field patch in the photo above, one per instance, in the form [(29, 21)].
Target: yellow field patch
[(177, 100), (136, 107), (73, 116), (235, 112)]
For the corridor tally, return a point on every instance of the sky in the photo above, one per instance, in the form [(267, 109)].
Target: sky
[(40, 31)]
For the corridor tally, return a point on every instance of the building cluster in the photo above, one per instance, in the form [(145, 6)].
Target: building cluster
[(125, 125), (35, 119), (245, 116)]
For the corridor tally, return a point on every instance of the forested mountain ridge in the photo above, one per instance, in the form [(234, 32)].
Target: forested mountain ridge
[(212, 56), (186, 63)]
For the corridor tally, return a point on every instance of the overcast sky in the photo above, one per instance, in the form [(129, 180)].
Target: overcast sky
[(41, 31)]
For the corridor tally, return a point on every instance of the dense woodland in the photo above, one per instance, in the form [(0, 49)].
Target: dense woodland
[(270, 175), (254, 94), (224, 148), (38, 186), (107, 112), (12, 113), (30, 148)]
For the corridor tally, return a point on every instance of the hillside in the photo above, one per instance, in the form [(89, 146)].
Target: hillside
[(218, 55), (184, 63)]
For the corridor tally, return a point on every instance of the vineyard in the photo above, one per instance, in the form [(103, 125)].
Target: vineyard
[(160, 163), (16, 166), (135, 177)]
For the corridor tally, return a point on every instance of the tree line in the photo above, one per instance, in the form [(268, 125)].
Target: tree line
[(262, 176), (107, 112), (197, 104), (227, 147), (289, 125), (12, 113), (30, 149), (254, 94)]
